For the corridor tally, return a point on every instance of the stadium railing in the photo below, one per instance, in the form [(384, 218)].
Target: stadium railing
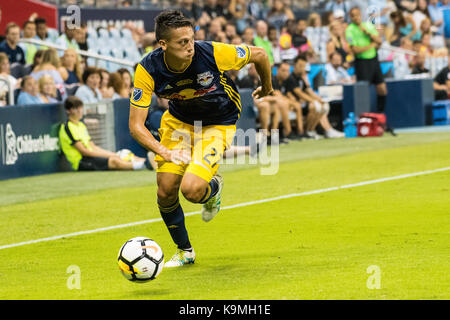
[(89, 54)]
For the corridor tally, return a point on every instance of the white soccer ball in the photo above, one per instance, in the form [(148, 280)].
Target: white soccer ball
[(140, 259), (125, 155)]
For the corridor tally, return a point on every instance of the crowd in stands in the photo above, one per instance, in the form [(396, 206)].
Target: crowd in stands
[(45, 75)]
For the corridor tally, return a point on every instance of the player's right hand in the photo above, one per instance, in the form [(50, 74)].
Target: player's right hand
[(178, 156)]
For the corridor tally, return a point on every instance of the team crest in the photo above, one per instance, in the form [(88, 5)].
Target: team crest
[(137, 94), (205, 78), (240, 52)]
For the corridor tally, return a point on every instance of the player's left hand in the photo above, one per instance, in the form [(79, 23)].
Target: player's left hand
[(262, 92)]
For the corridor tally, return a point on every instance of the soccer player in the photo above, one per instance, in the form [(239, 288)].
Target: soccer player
[(190, 74)]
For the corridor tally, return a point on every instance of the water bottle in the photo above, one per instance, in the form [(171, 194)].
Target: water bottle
[(350, 128)]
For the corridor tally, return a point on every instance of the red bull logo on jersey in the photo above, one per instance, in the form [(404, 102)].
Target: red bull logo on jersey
[(205, 78), (189, 93)]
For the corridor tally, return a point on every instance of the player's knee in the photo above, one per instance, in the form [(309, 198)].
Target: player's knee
[(193, 191), (167, 194)]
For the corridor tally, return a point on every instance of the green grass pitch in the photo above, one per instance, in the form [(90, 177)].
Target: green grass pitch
[(318, 246)]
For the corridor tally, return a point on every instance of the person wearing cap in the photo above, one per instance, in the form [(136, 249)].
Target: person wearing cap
[(339, 8)]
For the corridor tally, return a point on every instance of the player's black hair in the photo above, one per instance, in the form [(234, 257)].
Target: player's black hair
[(72, 102), (171, 19)]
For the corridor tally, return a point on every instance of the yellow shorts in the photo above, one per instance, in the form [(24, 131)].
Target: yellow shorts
[(206, 145)]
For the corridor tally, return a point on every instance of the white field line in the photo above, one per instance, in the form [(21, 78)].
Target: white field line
[(239, 205)]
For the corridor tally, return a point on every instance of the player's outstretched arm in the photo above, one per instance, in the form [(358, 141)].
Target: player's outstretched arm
[(141, 134), (259, 57)]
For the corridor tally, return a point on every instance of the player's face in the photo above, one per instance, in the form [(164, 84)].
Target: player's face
[(180, 43)]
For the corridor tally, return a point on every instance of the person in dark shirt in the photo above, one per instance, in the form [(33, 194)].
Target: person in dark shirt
[(441, 83), (286, 105), (419, 64), (298, 89), (10, 44)]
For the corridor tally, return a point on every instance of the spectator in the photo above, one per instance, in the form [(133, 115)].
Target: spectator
[(71, 64), (89, 92), (51, 65), (299, 40), (286, 105), (82, 153), (127, 79), (67, 39), (120, 89), (298, 89), (278, 14), (335, 72), (437, 16), (106, 89), (338, 7), (248, 35), (230, 31), (191, 10), (42, 32), (404, 27), (10, 44), (5, 72), (419, 64), (442, 83), (421, 12), (29, 32), (314, 20), (238, 9), (80, 36), (276, 50), (436, 41), (29, 92), (200, 34), (406, 5), (402, 61), (212, 9), (215, 31), (37, 59), (261, 39), (47, 89), (337, 42)]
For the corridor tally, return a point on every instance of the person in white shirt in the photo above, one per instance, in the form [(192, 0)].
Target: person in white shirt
[(89, 92), (335, 72)]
